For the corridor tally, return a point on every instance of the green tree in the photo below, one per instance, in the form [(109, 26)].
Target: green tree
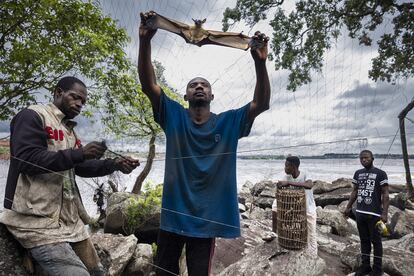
[(301, 37), (42, 40), (129, 114)]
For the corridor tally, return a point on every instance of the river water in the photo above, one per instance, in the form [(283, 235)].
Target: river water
[(247, 170)]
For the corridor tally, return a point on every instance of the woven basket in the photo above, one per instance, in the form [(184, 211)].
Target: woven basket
[(292, 227)]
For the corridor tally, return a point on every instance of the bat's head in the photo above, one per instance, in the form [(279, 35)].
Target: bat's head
[(198, 92), (199, 22)]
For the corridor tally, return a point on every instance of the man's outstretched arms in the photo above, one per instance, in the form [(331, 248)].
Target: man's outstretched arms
[(145, 68), (261, 96)]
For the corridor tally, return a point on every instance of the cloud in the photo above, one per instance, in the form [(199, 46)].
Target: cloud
[(340, 103)]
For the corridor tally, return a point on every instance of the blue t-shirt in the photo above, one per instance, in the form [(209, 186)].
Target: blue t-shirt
[(200, 190)]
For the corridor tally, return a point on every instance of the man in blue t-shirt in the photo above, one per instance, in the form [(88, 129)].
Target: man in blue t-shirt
[(372, 196), (199, 199)]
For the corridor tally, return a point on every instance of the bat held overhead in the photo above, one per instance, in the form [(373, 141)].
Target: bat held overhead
[(198, 36)]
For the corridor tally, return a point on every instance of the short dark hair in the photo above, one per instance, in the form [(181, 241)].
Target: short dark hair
[(66, 83), (198, 78), (294, 160), (367, 151)]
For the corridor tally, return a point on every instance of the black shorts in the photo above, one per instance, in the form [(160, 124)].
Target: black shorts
[(199, 253)]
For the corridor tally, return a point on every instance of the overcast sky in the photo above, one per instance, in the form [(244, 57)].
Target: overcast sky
[(340, 104)]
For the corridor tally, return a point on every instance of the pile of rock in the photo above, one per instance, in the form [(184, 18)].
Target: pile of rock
[(338, 241), (257, 251)]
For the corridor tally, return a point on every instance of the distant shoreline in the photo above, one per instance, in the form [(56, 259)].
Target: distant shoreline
[(5, 155), (325, 156)]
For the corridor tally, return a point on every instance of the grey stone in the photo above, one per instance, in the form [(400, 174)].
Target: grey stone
[(321, 187), (115, 212), (11, 254), (336, 220), (334, 197), (395, 261), (405, 243), (264, 202), (229, 251), (242, 208), (142, 261), (401, 201), (115, 251), (269, 259), (117, 223), (402, 223), (258, 188)]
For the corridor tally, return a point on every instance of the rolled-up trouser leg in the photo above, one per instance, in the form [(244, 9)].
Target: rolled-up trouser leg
[(59, 259), (312, 240), (87, 253)]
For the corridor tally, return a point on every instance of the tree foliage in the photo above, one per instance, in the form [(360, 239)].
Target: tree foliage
[(301, 37), (42, 40), (129, 114)]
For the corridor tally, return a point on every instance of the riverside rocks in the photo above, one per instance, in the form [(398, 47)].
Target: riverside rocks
[(269, 259), (141, 262), (116, 219), (120, 255), (334, 218), (395, 261), (115, 251), (11, 253), (256, 251), (402, 223), (115, 212), (321, 187), (338, 240)]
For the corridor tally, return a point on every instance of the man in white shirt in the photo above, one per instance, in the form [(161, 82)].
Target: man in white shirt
[(297, 178)]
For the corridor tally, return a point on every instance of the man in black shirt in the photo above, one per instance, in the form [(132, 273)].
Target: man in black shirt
[(371, 193)]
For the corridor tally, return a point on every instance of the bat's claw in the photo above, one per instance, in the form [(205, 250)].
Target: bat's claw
[(148, 19), (259, 40)]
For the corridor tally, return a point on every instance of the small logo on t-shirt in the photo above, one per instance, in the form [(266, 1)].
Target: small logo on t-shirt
[(217, 138), (368, 200), (359, 199)]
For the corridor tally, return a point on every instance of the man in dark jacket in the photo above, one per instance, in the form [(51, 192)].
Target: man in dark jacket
[(43, 208)]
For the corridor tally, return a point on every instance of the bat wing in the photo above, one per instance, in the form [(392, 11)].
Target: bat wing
[(161, 22), (201, 36), (228, 39), (234, 40)]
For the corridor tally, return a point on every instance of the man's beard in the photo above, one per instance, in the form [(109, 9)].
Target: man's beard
[(199, 103)]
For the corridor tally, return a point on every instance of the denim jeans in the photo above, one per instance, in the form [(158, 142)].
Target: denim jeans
[(61, 260)]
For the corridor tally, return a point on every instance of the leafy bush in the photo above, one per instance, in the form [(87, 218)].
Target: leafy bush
[(141, 209)]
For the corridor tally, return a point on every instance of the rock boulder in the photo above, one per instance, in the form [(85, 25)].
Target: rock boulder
[(115, 251), (335, 219), (402, 223), (395, 261), (269, 259), (116, 219), (141, 262), (11, 252), (321, 187)]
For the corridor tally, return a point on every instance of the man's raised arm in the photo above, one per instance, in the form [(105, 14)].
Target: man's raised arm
[(145, 69), (261, 96)]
